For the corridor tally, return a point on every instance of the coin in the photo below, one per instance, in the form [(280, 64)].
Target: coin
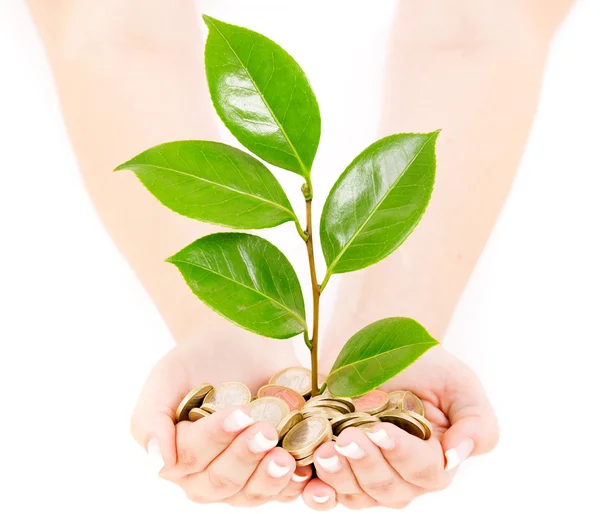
[(338, 399), (373, 402), (307, 435), (336, 422), (327, 412), (356, 423), (321, 401), (411, 402), (406, 422), (226, 395), (268, 409), (294, 400), (196, 414), (296, 378), (423, 421), (368, 426), (287, 423), (306, 461), (191, 401), (396, 399)]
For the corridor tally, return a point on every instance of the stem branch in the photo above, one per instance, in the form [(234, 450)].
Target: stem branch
[(316, 291)]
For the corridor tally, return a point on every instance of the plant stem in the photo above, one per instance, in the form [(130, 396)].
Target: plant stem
[(316, 291)]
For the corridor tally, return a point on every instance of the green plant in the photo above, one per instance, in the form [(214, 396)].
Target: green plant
[(264, 98)]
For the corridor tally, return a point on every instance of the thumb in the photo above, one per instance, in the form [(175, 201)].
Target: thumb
[(474, 428), (155, 432)]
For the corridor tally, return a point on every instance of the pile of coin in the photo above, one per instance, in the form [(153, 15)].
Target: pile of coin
[(304, 423)]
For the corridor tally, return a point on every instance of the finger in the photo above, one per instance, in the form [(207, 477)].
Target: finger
[(268, 480), (375, 476), (334, 470), (318, 495), (156, 434), (418, 462), (296, 485), (199, 443), (474, 427), (228, 474)]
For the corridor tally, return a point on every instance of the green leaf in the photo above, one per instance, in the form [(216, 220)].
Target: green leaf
[(376, 354), (246, 280), (378, 201), (263, 96), (213, 182)]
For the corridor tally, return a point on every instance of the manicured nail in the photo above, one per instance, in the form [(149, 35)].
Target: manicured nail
[(456, 455), (276, 471), (258, 443), (299, 478), (352, 451), (331, 464), (381, 439), (237, 420), (320, 499), (155, 454)]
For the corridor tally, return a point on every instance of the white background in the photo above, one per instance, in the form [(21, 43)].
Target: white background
[(78, 334)]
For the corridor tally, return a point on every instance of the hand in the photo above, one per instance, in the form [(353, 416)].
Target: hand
[(389, 467), (224, 457)]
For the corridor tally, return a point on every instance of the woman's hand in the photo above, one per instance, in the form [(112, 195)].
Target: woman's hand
[(225, 457), (386, 466)]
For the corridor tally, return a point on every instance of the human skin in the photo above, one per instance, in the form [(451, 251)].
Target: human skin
[(115, 62)]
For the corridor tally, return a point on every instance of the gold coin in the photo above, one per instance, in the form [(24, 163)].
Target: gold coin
[(306, 461), (318, 401), (191, 401), (196, 414), (336, 422), (268, 409), (405, 421), (296, 378), (368, 426), (226, 395), (396, 399), (287, 423), (355, 423), (327, 412), (412, 402), (338, 399), (295, 400), (372, 402), (307, 435), (423, 421)]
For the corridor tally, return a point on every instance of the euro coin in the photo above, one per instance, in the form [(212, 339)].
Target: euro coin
[(191, 401), (196, 414), (396, 399), (296, 378), (306, 436), (327, 412), (406, 422), (357, 422), (411, 402), (268, 409), (289, 422), (306, 461), (336, 422), (227, 394), (372, 402), (428, 429), (294, 400)]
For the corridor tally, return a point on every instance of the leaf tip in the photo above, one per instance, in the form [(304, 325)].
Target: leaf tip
[(121, 167), (209, 20)]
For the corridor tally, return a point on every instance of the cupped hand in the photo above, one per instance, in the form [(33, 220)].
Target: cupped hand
[(389, 467), (225, 457)]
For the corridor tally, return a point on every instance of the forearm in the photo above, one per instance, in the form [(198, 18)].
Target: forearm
[(129, 76), (481, 89)]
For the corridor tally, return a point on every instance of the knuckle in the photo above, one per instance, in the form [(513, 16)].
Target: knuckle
[(425, 473), (223, 484), (255, 498), (352, 500), (186, 457), (384, 487)]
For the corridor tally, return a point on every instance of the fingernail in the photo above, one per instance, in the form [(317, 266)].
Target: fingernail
[(352, 450), (320, 499), (299, 478), (381, 439), (276, 471), (331, 464), (237, 420), (155, 454), (258, 443), (456, 455)]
